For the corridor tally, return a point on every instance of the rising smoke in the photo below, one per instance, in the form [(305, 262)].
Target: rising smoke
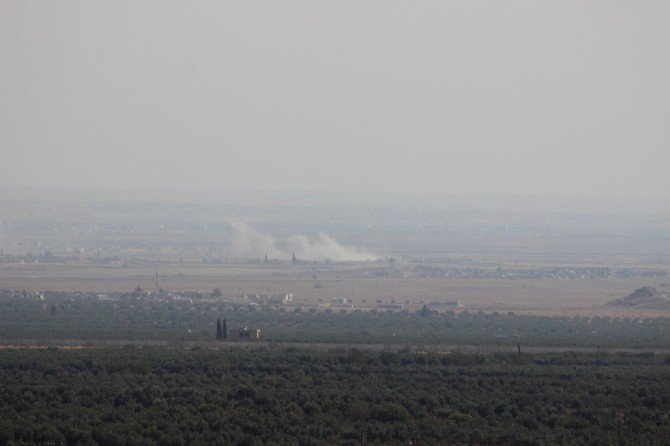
[(248, 243)]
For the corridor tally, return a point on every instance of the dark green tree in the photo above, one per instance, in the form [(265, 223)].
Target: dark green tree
[(425, 311), (219, 330), (224, 332)]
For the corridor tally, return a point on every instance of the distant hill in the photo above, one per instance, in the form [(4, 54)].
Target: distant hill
[(645, 297)]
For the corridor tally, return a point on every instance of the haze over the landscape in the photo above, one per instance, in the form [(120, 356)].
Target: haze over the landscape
[(419, 97), (322, 222)]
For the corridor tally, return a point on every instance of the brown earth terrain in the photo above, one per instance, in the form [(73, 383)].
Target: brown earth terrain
[(362, 284), (529, 258)]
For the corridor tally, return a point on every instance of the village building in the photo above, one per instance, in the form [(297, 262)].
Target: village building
[(245, 333)]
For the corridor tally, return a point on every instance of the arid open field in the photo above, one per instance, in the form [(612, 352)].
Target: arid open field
[(314, 285), (523, 259)]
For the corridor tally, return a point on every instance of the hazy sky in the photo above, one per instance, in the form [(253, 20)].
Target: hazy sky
[(556, 97)]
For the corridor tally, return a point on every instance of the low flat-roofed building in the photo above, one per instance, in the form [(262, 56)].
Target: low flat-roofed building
[(245, 333)]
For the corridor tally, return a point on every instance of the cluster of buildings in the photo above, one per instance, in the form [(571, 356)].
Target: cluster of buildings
[(340, 303), (269, 299), (244, 333), (549, 272)]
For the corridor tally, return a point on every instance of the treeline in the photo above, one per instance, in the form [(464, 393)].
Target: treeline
[(190, 397), (197, 320)]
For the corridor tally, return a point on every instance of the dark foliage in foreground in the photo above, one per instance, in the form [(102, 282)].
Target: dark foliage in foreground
[(174, 397), (137, 318)]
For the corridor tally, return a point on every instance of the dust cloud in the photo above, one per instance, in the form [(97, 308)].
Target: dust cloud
[(249, 243)]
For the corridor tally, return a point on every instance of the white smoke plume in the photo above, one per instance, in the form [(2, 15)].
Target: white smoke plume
[(249, 243)]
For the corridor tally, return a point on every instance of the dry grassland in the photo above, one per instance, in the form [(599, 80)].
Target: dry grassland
[(313, 285)]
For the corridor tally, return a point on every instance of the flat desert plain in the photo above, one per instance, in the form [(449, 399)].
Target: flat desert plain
[(363, 284)]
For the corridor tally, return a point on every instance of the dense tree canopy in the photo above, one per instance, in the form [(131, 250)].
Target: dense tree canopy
[(137, 318), (175, 396)]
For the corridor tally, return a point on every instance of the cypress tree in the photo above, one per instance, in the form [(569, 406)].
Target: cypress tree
[(425, 311), (219, 331), (225, 330)]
